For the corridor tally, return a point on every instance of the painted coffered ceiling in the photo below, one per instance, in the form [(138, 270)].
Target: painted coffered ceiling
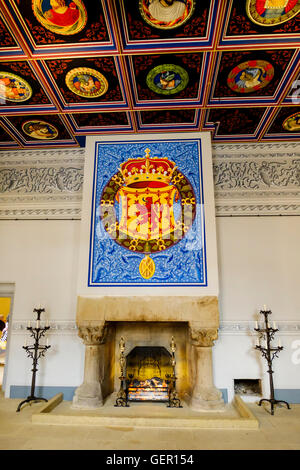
[(69, 69)]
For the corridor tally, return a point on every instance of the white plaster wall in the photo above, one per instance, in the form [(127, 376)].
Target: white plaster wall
[(259, 264), (41, 258), (259, 261)]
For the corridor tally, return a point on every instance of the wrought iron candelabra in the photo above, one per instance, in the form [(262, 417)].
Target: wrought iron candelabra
[(35, 351), (122, 398), (174, 401), (267, 333)]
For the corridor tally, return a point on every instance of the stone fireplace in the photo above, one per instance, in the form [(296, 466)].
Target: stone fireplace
[(149, 322), (158, 272)]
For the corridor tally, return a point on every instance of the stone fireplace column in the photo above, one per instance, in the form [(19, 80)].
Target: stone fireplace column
[(205, 396), (89, 393)]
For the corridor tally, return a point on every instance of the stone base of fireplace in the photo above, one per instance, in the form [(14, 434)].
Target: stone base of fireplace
[(148, 321), (235, 415)]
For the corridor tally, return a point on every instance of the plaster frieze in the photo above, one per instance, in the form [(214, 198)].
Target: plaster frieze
[(250, 179), (41, 179), (257, 184), (260, 174)]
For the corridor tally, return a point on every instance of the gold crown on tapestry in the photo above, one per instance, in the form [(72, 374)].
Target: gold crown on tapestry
[(148, 168)]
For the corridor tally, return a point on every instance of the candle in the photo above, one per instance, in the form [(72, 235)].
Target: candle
[(274, 325), (47, 342), (257, 342), (256, 325), (25, 344), (28, 324), (279, 342), (47, 322), (265, 308), (38, 323)]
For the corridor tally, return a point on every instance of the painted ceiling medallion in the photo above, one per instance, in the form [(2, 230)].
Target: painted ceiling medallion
[(292, 123), (250, 76), (40, 130), (167, 79), (61, 16), (166, 14), (86, 82), (14, 88), (272, 12)]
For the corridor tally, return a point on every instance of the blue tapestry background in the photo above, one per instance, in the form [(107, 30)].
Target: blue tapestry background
[(183, 263)]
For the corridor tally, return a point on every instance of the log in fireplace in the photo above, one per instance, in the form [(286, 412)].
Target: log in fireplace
[(148, 373)]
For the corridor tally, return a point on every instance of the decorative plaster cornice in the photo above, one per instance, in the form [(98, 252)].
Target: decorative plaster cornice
[(280, 147), (226, 327), (46, 213), (27, 157), (247, 327)]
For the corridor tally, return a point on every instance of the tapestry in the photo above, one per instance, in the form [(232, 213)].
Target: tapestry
[(147, 215)]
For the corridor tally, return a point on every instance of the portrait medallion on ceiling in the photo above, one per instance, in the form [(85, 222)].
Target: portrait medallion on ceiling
[(272, 12), (167, 79), (292, 123), (250, 76), (166, 14), (65, 17), (40, 130), (14, 88), (86, 82)]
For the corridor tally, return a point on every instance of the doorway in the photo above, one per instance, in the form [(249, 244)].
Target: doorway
[(6, 303)]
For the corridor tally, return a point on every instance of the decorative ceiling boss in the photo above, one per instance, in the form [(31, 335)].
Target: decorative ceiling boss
[(61, 16), (250, 76), (166, 14), (14, 88), (272, 12), (167, 79), (86, 82), (40, 130)]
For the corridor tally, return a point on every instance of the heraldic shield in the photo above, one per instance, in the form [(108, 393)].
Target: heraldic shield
[(146, 190)]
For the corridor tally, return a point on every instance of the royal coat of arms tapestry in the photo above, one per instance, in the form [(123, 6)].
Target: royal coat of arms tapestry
[(147, 218)]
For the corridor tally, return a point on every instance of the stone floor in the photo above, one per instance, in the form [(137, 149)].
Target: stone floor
[(18, 432)]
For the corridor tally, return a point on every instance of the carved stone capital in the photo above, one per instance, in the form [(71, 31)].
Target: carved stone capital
[(202, 337), (93, 335)]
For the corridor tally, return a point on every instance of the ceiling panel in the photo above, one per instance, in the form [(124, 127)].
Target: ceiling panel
[(81, 67)]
